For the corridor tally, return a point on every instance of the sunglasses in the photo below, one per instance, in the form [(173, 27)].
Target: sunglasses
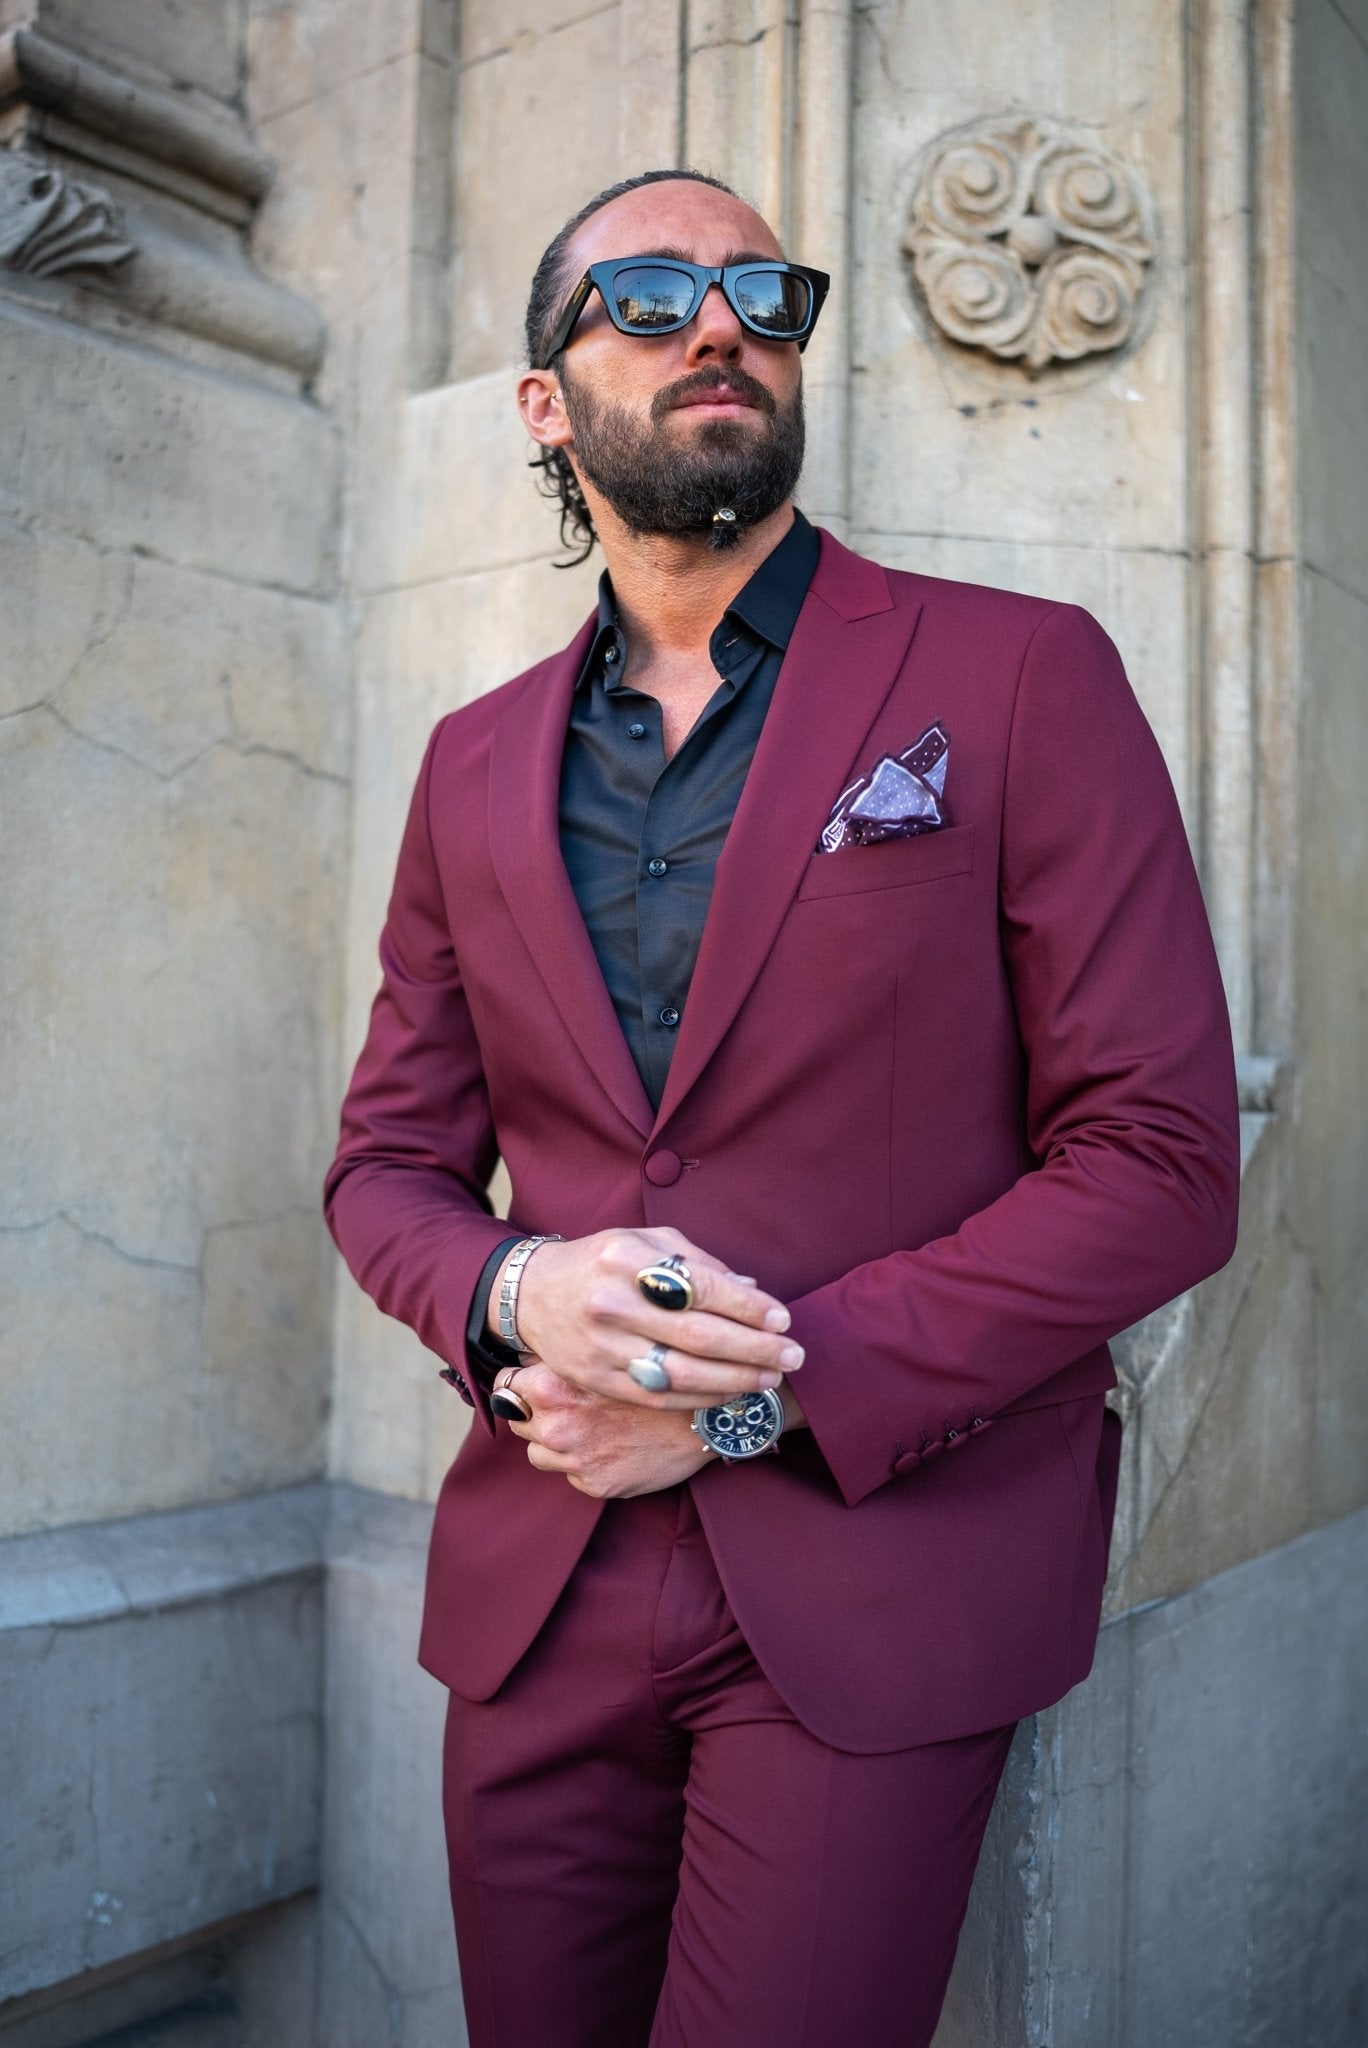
[(659, 295)]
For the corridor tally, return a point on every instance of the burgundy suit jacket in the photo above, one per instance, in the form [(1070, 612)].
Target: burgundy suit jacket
[(965, 1101)]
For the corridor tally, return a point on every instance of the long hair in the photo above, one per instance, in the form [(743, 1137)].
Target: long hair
[(550, 284)]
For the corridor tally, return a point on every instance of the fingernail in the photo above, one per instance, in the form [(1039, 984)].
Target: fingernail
[(777, 1319), (791, 1357), (771, 1379)]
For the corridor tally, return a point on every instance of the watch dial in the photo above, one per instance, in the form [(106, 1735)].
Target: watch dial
[(741, 1428)]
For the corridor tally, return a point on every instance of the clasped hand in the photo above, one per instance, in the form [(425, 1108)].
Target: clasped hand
[(580, 1310)]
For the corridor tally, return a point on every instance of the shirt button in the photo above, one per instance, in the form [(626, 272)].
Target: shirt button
[(656, 866), (636, 732), (610, 653), (669, 1016)]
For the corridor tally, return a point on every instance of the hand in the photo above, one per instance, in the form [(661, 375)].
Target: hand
[(582, 1313), (602, 1446)]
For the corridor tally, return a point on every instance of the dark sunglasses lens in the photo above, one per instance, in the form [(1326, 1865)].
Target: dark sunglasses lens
[(647, 296), (775, 300)]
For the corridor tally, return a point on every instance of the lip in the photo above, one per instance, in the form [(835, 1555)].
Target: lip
[(718, 399)]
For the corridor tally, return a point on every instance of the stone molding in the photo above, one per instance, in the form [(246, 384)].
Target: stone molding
[(172, 130), (161, 239), (1029, 241), (50, 222)]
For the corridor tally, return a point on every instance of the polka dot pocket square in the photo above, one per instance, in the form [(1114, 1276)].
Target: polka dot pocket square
[(901, 796)]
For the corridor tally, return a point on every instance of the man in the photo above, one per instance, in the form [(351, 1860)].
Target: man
[(821, 949)]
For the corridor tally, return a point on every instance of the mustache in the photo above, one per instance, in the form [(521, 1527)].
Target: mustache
[(714, 378)]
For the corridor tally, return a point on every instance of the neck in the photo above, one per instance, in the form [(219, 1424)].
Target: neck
[(671, 593)]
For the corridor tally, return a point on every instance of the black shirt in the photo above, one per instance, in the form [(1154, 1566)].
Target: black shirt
[(640, 835)]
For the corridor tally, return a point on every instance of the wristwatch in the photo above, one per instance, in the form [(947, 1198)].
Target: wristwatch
[(742, 1428)]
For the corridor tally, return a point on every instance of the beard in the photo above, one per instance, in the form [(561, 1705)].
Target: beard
[(724, 479)]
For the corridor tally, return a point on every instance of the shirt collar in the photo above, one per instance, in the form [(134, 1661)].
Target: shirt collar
[(768, 605)]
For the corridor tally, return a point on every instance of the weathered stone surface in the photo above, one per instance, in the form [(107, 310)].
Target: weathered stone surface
[(1167, 1864), (1332, 296), (195, 46), (162, 1761), (513, 117), (944, 447), (127, 449), (388, 1955), (172, 760)]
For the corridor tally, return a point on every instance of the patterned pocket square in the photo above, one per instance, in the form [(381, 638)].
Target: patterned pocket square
[(897, 799)]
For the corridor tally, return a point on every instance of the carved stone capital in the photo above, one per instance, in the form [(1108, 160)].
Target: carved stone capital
[(1029, 242), (50, 222)]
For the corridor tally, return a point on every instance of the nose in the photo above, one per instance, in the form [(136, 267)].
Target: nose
[(714, 330)]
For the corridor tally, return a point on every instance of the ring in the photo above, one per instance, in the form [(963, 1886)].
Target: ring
[(668, 1283), (508, 1405), (649, 1372)]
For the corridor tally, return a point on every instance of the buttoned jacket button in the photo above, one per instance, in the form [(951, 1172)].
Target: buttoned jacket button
[(907, 1461), (663, 1168)]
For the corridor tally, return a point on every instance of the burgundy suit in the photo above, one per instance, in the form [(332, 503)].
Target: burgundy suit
[(965, 1101)]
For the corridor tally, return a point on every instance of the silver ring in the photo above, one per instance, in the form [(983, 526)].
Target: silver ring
[(649, 1372)]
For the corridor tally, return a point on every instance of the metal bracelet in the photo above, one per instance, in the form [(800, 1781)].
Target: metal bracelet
[(508, 1290)]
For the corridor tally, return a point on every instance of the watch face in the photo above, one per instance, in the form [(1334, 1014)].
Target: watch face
[(744, 1427)]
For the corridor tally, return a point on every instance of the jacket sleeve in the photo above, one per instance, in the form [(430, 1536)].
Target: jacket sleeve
[(405, 1195), (1131, 1103)]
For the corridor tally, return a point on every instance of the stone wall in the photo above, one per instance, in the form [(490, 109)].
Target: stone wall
[(175, 750), (224, 561)]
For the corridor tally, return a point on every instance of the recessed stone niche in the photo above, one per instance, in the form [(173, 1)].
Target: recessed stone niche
[(1028, 242)]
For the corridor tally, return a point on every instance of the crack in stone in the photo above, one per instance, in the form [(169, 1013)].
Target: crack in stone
[(293, 760), (147, 1260), (99, 638), (737, 42), (242, 748), (98, 1237), (392, 1995)]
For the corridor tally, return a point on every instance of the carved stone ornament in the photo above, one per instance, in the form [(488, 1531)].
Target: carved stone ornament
[(50, 222), (1029, 242)]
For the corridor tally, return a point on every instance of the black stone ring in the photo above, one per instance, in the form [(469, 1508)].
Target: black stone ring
[(668, 1283)]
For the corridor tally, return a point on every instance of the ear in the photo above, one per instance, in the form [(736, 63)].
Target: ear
[(543, 408)]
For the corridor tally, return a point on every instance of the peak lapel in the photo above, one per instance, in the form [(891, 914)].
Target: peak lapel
[(847, 647), (524, 838)]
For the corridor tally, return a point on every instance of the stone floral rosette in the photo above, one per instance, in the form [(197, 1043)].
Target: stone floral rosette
[(1028, 242)]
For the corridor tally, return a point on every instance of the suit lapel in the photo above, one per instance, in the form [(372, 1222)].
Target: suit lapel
[(524, 838), (847, 647)]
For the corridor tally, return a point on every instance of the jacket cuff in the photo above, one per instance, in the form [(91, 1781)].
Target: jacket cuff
[(484, 1354), (866, 1441)]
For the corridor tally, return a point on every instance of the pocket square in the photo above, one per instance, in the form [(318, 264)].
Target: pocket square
[(901, 796)]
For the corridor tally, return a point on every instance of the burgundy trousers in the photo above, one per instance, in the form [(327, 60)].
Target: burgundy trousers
[(647, 1848)]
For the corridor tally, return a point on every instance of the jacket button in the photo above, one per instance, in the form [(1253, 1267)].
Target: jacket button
[(663, 1168), (907, 1461)]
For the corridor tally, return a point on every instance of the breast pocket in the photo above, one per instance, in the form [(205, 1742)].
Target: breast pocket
[(891, 864)]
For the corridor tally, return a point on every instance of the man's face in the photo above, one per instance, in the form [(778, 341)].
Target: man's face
[(670, 428)]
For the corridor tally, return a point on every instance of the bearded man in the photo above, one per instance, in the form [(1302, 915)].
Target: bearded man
[(821, 949)]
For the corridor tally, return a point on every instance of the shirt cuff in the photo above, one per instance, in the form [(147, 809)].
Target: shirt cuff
[(487, 1353)]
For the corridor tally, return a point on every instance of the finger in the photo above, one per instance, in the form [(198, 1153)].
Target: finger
[(715, 1286), (724, 1301), (694, 1382), (548, 1461), (702, 1335)]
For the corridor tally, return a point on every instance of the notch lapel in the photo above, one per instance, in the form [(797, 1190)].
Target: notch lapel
[(524, 839), (847, 648)]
